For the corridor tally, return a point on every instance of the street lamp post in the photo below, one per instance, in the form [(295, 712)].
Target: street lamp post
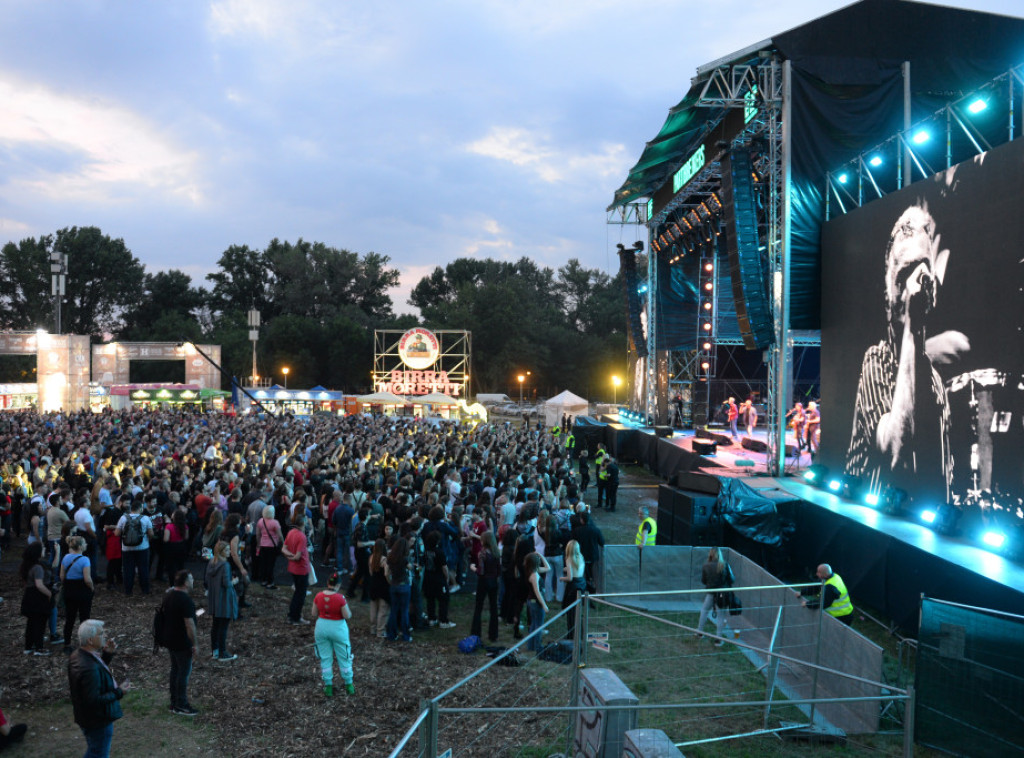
[(521, 379), (616, 381), (285, 371)]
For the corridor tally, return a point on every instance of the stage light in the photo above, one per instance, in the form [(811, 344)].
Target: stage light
[(921, 137), (816, 474), (706, 346), (707, 306), (708, 285), (843, 178), (642, 289), (994, 539), (707, 327), (876, 161), (929, 516), (835, 485), (705, 365), (871, 499), (893, 499), (977, 106), (709, 266)]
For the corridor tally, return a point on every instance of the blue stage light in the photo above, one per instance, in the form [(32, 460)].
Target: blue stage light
[(928, 517), (871, 499), (876, 161), (977, 106), (921, 137), (843, 178), (809, 476), (994, 539), (834, 485)]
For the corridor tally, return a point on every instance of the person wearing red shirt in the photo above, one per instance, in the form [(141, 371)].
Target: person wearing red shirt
[(296, 550), (331, 612)]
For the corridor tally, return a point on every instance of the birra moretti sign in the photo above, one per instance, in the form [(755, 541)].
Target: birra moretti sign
[(419, 349)]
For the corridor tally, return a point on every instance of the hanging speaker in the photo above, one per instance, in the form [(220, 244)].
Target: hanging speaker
[(627, 266), (747, 271)]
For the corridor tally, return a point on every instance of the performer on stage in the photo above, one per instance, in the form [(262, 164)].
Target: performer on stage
[(901, 416), (797, 421), (813, 428), (749, 416), (734, 415)]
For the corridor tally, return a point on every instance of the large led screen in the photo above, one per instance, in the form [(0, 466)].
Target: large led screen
[(922, 315)]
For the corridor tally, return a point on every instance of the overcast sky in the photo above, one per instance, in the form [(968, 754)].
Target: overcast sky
[(424, 130)]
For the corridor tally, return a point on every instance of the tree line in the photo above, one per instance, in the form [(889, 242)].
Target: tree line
[(319, 306)]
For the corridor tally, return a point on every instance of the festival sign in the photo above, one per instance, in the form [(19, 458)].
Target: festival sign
[(419, 348)]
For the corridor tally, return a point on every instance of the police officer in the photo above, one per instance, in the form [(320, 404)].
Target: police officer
[(835, 599)]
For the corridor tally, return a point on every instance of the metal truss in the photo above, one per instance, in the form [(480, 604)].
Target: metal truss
[(902, 158), (630, 214), (729, 86)]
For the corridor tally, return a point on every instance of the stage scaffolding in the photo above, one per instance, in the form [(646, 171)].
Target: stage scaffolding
[(762, 92)]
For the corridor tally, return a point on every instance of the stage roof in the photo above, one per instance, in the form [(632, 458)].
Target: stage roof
[(847, 96)]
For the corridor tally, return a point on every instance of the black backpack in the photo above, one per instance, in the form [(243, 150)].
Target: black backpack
[(131, 536), (159, 628)]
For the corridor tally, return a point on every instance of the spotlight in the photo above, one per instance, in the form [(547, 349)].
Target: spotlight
[(705, 365), (707, 327), (994, 540), (706, 346), (921, 137), (642, 289), (708, 285), (844, 178), (876, 161), (707, 306), (709, 266), (816, 474), (871, 499), (835, 485), (929, 516), (977, 106)]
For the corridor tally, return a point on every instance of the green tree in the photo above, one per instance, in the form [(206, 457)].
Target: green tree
[(169, 310), (104, 279)]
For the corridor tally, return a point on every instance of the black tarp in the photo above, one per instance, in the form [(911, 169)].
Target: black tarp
[(752, 515)]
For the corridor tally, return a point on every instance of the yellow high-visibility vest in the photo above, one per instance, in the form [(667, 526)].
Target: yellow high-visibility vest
[(842, 606), (649, 539)]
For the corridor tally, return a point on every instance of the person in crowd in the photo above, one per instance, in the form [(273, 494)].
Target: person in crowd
[(135, 530), (836, 599), (397, 568), (575, 583), (380, 590), (591, 542), (488, 571), (611, 482), (175, 544), (95, 694), (296, 550), (37, 598), (112, 545), (269, 541), (223, 601), (716, 576), (179, 636), (535, 566), (212, 531), (332, 612), (435, 581), (233, 533), (76, 581)]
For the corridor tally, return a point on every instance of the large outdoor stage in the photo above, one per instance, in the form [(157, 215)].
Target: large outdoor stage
[(887, 562)]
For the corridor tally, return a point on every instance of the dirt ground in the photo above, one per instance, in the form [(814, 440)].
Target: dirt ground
[(267, 702)]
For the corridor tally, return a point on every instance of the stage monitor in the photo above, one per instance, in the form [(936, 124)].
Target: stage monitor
[(922, 341)]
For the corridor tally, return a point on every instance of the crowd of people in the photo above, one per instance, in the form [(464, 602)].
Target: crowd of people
[(401, 513)]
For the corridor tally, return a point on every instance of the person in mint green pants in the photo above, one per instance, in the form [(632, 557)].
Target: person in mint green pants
[(331, 612)]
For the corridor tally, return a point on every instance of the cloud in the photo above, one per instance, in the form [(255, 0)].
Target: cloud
[(98, 150), (535, 153)]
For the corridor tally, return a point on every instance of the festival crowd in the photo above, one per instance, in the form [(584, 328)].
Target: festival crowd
[(400, 513)]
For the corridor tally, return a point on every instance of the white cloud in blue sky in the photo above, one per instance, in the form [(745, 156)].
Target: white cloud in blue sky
[(421, 130)]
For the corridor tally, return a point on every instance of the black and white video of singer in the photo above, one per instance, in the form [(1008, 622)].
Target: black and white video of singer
[(901, 417)]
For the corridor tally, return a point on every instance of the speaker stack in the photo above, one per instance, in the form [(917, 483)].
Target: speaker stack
[(684, 516)]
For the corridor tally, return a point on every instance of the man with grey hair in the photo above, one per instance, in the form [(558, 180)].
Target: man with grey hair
[(95, 694), (901, 416)]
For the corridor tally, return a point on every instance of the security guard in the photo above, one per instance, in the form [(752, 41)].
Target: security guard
[(602, 474), (570, 447), (647, 532), (836, 600)]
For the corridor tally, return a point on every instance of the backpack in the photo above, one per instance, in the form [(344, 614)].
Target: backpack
[(159, 628), (132, 534)]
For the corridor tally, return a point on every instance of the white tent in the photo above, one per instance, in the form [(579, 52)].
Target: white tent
[(564, 404)]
